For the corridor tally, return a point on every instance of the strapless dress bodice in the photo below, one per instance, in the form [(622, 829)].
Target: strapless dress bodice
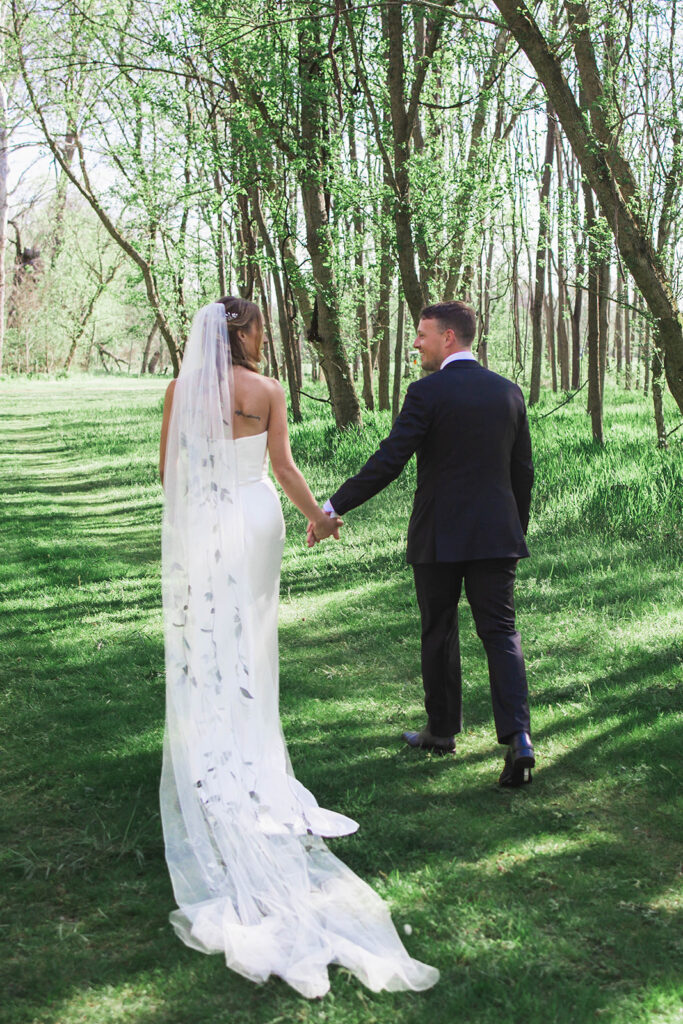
[(251, 458)]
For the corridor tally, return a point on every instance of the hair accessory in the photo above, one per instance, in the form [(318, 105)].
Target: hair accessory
[(231, 316)]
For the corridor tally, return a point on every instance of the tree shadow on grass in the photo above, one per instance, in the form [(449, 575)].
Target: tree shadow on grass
[(494, 883)]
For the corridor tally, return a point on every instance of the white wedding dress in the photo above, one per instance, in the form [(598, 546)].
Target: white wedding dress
[(252, 878)]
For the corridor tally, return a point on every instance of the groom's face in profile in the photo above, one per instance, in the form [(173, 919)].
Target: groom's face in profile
[(433, 344)]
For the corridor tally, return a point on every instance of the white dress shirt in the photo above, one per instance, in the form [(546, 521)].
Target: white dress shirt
[(464, 354)]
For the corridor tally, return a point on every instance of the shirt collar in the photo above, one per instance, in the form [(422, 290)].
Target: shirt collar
[(465, 354)]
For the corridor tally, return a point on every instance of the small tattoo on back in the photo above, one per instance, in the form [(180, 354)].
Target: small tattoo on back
[(247, 415)]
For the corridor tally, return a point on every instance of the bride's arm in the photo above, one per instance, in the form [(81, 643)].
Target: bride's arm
[(166, 419), (289, 477)]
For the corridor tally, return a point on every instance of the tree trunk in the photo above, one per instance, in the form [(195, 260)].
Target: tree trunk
[(550, 329), (541, 260), (148, 347), (618, 327), (382, 324), (4, 207), (325, 329), (576, 314), (639, 347), (398, 359), (594, 389), (362, 324), (392, 29), (285, 322), (267, 321), (562, 296), (603, 318), (519, 359), (627, 338), (218, 231), (562, 338), (68, 149), (485, 307), (246, 249), (657, 369)]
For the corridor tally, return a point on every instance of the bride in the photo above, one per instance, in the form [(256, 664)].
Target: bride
[(251, 876)]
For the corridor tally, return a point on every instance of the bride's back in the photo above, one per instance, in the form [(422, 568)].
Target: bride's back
[(252, 402)]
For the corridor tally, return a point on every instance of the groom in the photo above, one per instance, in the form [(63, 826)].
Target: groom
[(470, 514)]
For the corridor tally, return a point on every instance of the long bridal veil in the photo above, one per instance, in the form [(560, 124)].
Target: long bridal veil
[(251, 876)]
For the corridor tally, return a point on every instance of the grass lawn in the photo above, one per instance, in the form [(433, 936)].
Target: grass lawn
[(557, 903)]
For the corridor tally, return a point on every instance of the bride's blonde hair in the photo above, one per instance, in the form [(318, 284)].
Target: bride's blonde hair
[(240, 314)]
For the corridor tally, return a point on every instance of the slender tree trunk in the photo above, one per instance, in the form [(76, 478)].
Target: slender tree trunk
[(562, 338), (68, 149), (618, 327), (639, 349), (594, 389), (267, 319), (603, 318), (148, 347), (576, 321), (4, 203), (285, 322), (325, 328), (392, 28), (658, 408), (627, 338), (246, 248), (541, 259), (382, 323), (485, 307), (362, 324), (398, 359), (562, 296), (519, 358), (298, 302), (218, 231), (550, 328)]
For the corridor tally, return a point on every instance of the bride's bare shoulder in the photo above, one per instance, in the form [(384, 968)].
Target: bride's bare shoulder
[(254, 382)]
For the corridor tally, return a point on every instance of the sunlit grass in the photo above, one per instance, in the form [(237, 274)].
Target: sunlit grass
[(559, 903)]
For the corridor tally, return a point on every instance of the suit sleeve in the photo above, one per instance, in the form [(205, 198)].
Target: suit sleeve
[(522, 469), (412, 423)]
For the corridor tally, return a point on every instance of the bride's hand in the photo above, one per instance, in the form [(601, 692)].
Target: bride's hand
[(321, 527)]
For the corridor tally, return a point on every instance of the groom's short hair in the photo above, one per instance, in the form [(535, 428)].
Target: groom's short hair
[(457, 316)]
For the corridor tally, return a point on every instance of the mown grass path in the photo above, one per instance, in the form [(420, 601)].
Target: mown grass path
[(560, 903)]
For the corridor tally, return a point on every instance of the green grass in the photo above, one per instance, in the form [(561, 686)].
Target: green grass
[(558, 903)]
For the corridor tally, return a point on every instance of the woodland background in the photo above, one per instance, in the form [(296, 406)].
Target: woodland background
[(343, 165)]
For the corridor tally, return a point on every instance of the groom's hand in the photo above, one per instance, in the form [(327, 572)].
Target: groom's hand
[(325, 526)]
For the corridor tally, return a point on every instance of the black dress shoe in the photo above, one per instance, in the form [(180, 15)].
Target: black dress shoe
[(425, 740), (519, 761)]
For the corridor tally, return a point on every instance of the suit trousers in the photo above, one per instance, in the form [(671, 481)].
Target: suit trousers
[(489, 585)]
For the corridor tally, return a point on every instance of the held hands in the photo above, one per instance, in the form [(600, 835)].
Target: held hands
[(323, 526)]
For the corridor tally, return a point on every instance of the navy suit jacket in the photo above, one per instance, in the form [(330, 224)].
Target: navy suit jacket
[(474, 470)]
